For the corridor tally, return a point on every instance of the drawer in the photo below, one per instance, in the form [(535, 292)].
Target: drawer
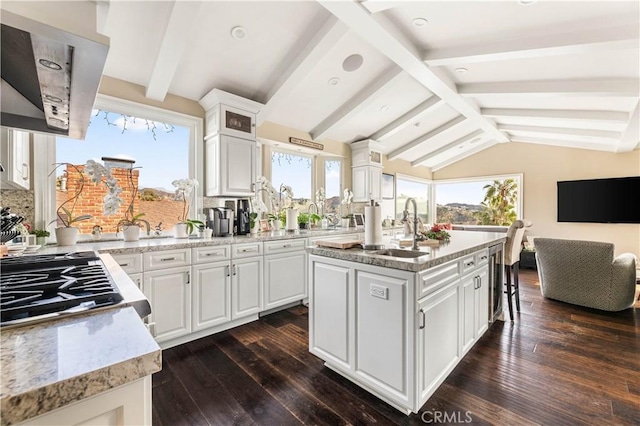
[(130, 263), (285, 246), (468, 264), (210, 254), (239, 251), (166, 259), (482, 257), (437, 277)]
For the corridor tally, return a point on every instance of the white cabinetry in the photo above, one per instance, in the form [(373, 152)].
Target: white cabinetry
[(15, 151), (245, 286), (230, 167), (230, 150), (285, 272), (169, 293), (211, 295), (366, 170)]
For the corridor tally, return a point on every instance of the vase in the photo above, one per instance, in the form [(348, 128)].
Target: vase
[(180, 230), (346, 223), (41, 241), (131, 232), (275, 225), (67, 236), (254, 228)]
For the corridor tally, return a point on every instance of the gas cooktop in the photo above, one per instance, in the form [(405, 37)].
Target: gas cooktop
[(40, 286)]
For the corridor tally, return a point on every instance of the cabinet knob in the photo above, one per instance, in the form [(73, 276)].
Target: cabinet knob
[(424, 319)]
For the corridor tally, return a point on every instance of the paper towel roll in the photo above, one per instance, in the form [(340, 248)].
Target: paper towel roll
[(292, 219), (372, 226)]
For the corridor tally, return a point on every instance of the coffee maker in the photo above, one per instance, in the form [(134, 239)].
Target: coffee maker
[(220, 219), (242, 217)]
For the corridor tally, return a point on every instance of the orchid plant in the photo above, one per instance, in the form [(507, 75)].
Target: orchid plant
[(184, 188), (320, 199), (347, 196)]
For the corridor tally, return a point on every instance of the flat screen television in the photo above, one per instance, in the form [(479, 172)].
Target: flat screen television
[(612, 200)]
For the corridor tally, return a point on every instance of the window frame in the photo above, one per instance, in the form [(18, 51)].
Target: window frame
[(520, 192), (299, 154), (44, 148), (324, 160), (430, 197)]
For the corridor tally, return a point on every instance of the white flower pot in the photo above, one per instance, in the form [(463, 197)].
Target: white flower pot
[(67, 236), (346, 223), (275, 225), (131, 232), (180, 230)]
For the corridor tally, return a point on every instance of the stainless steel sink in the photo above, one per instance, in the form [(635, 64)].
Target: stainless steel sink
[(400, 253)]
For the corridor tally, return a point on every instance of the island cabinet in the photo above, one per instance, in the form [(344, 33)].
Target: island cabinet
[(396, 333)]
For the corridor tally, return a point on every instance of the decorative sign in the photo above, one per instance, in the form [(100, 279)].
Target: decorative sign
[(308, 144)]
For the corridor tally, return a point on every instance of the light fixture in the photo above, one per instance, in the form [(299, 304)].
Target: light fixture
[(461, 70), (49, 64), (384, 108), (53, 99), (461, 146), (333, 81), (526, 2), (419, 22), (238, 32), (416, 124), (352, 62)]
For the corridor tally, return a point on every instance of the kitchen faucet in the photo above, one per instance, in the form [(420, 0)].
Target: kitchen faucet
[(309, 213), (405, 217)]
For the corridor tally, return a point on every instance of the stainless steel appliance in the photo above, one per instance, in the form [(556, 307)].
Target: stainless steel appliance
[(38, 287), (496, 271), (243, 226), (220, 219)]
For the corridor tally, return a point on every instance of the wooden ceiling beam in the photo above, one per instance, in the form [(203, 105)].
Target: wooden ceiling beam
[(318, 47), (447, 147), (558, 114), (355, 105), (622, 87), (380, 33), (424, 138), (631, 136), (406, 119), (591, 133), (179, 30), (596, 40)]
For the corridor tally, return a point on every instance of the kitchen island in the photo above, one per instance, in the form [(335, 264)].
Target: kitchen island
[(396, 322), (93, 366)]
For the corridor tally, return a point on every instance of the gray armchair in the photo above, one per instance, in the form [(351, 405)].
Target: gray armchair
[(585, 273)]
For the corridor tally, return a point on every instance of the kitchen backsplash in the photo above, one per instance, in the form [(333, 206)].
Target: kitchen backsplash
[(20, 201)]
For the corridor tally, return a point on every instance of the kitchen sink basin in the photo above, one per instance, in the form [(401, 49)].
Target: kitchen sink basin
[(400, 253)]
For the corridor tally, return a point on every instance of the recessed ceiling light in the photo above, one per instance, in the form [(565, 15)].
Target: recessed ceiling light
[(384, 108), (53, 99), (416, 124), (238, 33), (526, 2), (352, 63), (461, 70), (49, 64), (333, 81), (461, 146), (419, 22)]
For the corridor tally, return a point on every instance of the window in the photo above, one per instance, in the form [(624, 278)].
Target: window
[(490, 200), (162, 143), (332, 186), (419, 190), (296, 171)]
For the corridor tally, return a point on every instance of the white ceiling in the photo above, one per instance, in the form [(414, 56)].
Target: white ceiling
[(560, 73)]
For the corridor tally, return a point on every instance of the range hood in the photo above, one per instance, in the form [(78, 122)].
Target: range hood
[(50, 77)]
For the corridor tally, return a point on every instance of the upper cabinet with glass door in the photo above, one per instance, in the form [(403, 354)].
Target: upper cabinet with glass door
[(15, 156), (231, 115)]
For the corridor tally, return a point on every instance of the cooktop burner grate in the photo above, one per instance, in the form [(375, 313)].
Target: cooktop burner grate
[(50, 284)]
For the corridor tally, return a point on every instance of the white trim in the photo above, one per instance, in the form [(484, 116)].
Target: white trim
[(283, 150), (431, 211), (45, 153)]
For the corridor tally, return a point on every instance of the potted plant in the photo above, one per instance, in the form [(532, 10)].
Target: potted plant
[(347, 220), (346, 201), (185, 226), (131, 223), (41, 236), (67, 235), (253, 222)]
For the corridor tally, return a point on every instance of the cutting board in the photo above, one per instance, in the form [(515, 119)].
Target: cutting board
[(342, 243)]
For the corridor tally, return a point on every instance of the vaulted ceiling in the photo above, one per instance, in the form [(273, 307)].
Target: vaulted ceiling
[(439, 80)]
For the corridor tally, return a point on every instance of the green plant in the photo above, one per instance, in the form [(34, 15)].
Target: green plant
[(133, 220), (40, 233), (191, 224), (437, 233), (252, 219), (66, 215), (303, 218)]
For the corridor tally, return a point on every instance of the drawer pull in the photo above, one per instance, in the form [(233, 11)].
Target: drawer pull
[(228, 272), (248, 250), (188, 277), (286, 246), (424, 319), (470, 263), (164, 259), (212, 254), (124, 264), (484, 257), (234, 270)]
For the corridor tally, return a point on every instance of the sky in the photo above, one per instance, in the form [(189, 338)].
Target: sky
[(162, 160), (467, 193)]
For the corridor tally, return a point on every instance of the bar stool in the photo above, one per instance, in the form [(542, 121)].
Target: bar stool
[(513, 246)]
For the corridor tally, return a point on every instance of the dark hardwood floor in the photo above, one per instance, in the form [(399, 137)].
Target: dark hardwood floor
[(557, 364)]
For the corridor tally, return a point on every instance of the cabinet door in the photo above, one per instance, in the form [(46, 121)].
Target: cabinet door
[(438, 337), (169, 293), (359, 180), (482, 302), (329, 331), (375, 183), (284, 279), (381, 324), (469, 314), (211, 295), (16, 159), (237, 166), (246, 283)]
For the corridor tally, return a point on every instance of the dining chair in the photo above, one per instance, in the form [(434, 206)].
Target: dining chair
[(513, 247)]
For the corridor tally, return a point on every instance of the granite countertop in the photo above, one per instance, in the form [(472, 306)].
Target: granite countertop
[(158, 244), (461, 244), (51, 364)]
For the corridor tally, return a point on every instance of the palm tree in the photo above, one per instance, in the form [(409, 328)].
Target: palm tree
[(499, 203)]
